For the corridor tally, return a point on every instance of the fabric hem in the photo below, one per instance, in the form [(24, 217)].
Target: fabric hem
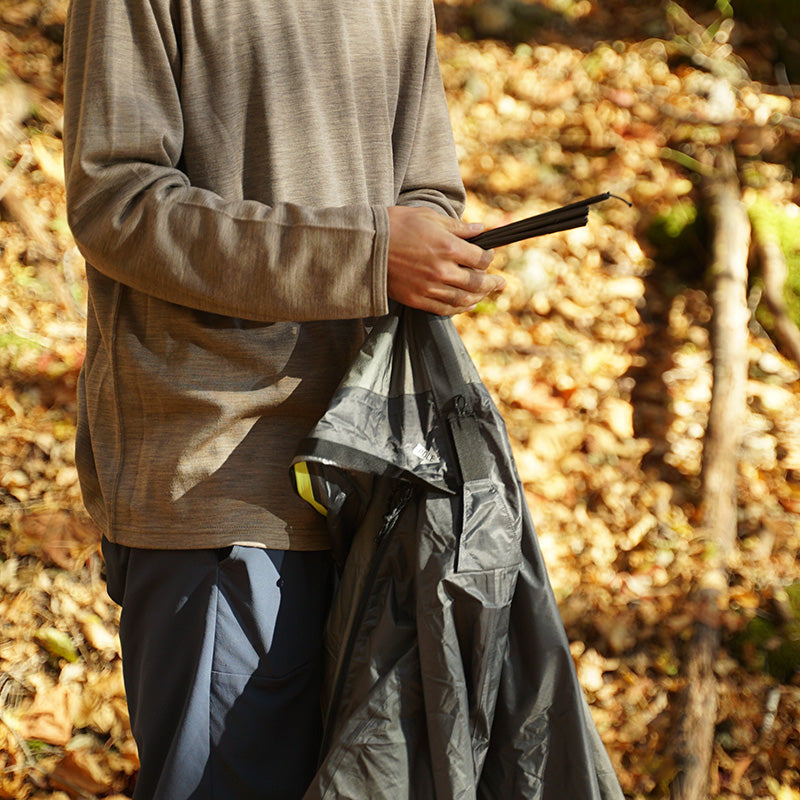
[(146, 540)]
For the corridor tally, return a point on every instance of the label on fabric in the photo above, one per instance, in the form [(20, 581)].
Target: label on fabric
[(428, 456)]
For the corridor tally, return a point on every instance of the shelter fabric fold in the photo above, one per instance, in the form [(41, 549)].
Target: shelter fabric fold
[(449, 673)]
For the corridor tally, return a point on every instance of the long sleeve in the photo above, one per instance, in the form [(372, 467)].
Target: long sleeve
[(139, 218)]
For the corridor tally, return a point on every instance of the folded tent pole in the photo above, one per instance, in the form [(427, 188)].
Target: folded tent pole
[(565, 218), (501, 236)]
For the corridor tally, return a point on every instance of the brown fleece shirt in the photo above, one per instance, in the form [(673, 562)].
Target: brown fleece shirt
[(229, 164)]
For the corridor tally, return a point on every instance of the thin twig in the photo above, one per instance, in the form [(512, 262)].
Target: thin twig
[(774, 271)]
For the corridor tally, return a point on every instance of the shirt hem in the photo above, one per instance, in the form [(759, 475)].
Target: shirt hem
[(295, 540)]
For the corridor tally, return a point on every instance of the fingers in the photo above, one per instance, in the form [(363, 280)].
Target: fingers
[(458, 226), (465, 253), (432, 267), (459, 291), (475, 282), (470, 255), (466, 288)]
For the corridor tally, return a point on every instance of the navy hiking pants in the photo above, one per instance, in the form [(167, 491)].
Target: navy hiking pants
[(221, 656)]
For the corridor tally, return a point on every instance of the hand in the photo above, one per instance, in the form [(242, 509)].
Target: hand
[(431, 267)]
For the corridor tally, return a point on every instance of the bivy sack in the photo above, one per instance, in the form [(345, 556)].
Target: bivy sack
[(448, 671)]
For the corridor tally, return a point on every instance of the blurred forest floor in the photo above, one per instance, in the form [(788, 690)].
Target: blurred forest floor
[(597, 353)]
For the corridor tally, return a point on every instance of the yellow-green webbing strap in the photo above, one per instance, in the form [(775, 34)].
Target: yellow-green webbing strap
[(305, 488)]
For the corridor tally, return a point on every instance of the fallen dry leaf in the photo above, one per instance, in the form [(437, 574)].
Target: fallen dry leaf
[(50, 716), (82, 771), (58, 537)]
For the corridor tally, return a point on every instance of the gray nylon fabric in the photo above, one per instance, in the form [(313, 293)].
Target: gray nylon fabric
[(449, 673)]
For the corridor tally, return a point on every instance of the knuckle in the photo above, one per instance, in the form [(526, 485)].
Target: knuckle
[(462, 299), (477, 281), (479, 259), (451, 249)]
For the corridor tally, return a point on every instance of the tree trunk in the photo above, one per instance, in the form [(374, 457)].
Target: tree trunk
[(695, 739), (729, 340)]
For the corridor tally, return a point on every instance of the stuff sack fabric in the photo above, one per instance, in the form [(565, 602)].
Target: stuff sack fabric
[(448, 669)]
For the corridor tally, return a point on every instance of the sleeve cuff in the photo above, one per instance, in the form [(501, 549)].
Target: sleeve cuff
[(380, 260)]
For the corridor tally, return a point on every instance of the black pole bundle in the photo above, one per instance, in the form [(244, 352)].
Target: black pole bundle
[(565, 218)]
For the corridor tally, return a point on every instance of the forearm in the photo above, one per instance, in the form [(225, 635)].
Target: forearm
[(244, 259), (138, 217)]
